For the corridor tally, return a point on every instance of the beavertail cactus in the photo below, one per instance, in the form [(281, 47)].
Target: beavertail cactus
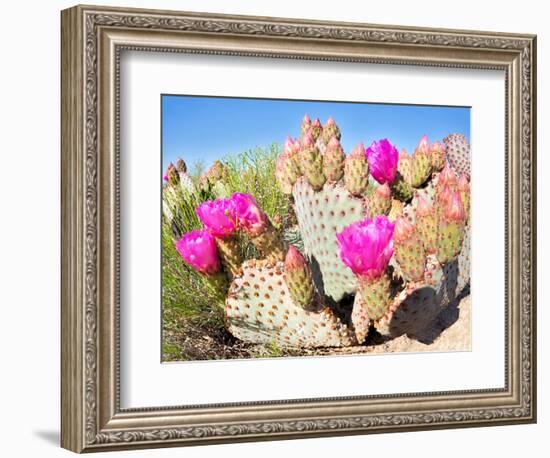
[(464, 190), (426, 225), (330, 131), (366, 248), (404, 166), (409, 250), (260, 309), (421, 163), (320, 215), (311, 162), (298, 278), (288, 168), (458, 153), (379, 201), (438, 155), (401, 186), (377, 240), (356, 176), (451, 227), (315, 130), (333, 160)]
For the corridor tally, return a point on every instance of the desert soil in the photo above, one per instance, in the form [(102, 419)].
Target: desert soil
[(449, 332)]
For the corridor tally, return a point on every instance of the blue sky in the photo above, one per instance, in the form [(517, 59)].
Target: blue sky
[(208, 128)]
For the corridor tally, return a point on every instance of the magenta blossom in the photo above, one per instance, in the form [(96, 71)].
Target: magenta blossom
[(382, 157), (367, 246), (198, 249), (218, 216), (250, 217), (165, 177)]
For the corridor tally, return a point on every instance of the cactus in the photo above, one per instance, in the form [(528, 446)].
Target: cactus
[(356, 171), (451, 228), (333, 160), (421, 163), (298, 278), (330, 131), (437, 155), (320, 215), (311, 162), (410, 253), (259, 308), (342, 266), (380, 201), (458, 153), (315, 130), (426, 225)]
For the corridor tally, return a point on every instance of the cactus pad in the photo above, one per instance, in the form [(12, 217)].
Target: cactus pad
[(458, 153), (320, 216), (401, 189), (410, 255), (259, 309), (374, 296)]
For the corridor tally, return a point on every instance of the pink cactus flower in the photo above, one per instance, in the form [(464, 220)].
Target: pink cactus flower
[(165, 177), (250, 217), (218, 216), (198, 249), (403, 229), (306, 119), (294, 259), (367, 246), (316, 123), (382, 157), (454, 210)]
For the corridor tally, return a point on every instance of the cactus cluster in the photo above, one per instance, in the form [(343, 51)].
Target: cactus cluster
[(381, 241)]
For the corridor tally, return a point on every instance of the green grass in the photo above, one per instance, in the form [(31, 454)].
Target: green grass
[(185, 294), (253, 172)]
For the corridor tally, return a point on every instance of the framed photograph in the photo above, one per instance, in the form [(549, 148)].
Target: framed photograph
[(279, 228)]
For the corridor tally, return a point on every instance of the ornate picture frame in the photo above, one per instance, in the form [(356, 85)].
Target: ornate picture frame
[(93, 39)]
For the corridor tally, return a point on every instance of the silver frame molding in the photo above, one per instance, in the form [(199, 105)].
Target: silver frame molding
[(92, 40)]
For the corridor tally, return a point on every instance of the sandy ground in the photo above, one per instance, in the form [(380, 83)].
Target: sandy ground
[(449, 332)]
